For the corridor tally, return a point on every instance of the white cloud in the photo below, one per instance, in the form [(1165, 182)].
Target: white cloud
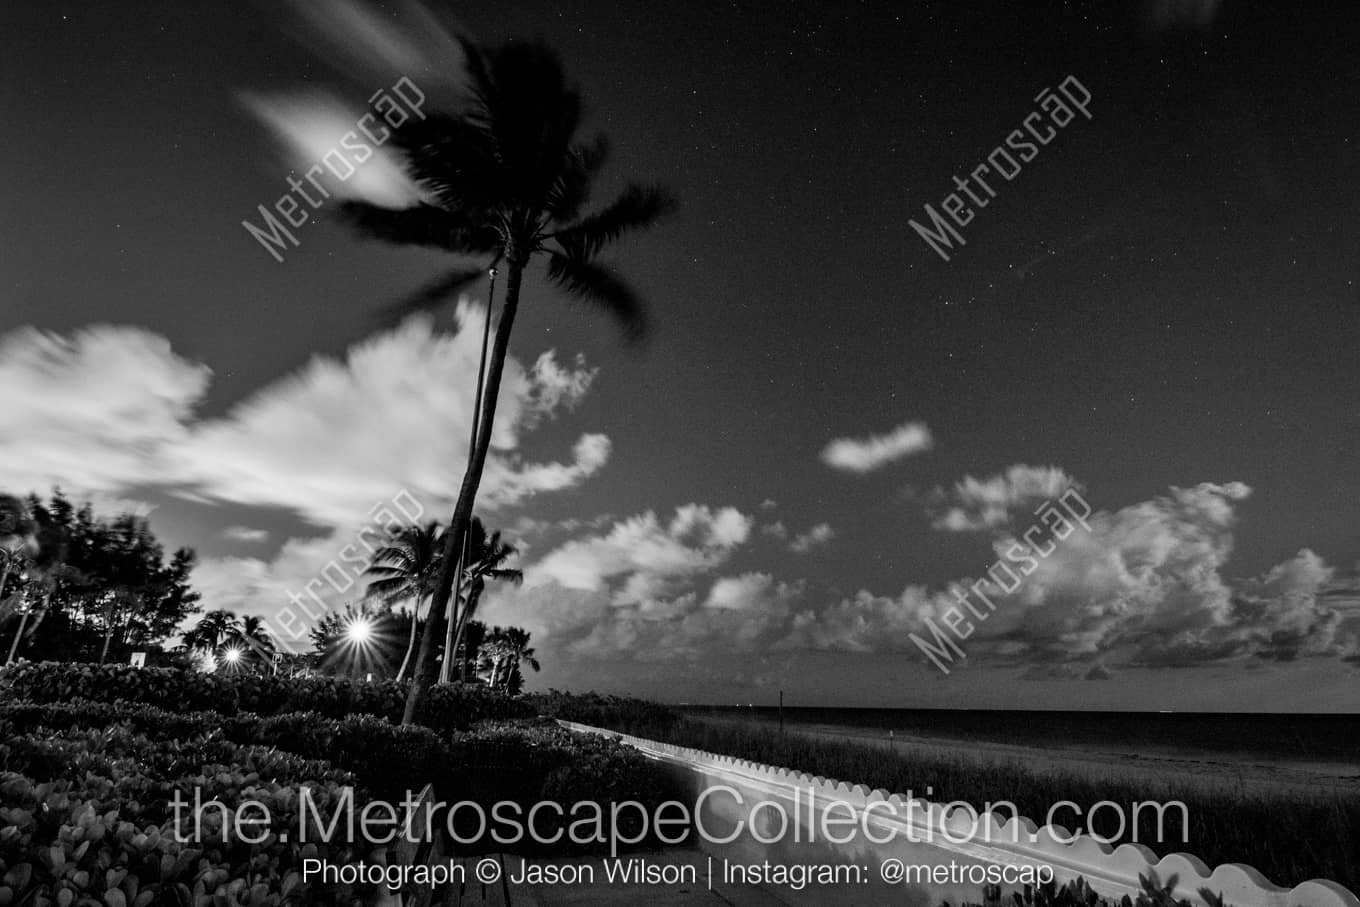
[(814, 538), (1144, 586), (95, 412), (862, 455), (110, 409), (641, 557), (246, 534), (980, 504)]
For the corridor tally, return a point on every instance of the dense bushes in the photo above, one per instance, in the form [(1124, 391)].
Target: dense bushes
[(88, 820), (93, 757), (449, 707)]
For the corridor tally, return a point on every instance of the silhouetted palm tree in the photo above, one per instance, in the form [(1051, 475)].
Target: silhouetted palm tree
[(253, 634), (508, 648), (486, 560), (504, 181), (212, 630), (407, 569)]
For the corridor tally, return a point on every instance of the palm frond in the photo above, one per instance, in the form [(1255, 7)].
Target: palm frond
[(432, 295), (571, 189), (636, 208), (599, 285), (422, 225)]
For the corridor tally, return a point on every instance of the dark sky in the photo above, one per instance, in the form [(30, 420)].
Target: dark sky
[(1167, 295)]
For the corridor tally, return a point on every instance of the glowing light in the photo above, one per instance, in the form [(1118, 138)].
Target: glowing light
[(232, 656), (360, 630)]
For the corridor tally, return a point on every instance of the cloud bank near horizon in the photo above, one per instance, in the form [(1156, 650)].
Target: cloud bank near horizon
[(1145, 587)]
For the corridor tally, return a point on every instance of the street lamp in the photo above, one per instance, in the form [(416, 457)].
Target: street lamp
[(359, 631)]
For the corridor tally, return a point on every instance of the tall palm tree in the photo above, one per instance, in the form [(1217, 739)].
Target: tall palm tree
[(406, 569), (486, 560), (505, 181)]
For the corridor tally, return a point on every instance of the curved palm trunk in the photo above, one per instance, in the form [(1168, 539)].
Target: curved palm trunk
[(474, 595), (436, 623), (450, 643), (411, 644)]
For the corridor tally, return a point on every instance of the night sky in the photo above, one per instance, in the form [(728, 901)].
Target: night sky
[(1161, 309)]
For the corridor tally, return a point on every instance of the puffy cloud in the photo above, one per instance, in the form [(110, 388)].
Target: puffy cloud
[(110, 408), (93, 412), (642, 558), (862, 455), (982, 504), (1142, 586), (338, 435), (814, 538)]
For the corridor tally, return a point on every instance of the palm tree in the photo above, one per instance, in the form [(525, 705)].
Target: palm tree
[(487, 557), (213, 629), (505, 181), (407, 568), (509, 648), (253, 633)]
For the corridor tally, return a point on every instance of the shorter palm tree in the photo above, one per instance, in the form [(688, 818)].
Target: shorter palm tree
[(406, 569), (506, 650), (212, 630), (252, 634), (486, 559)]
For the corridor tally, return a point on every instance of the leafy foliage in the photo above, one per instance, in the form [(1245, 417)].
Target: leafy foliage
[(99, 587)]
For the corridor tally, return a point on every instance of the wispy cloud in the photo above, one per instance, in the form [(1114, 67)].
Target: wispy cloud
[(862, 455), (246, 534), (815, 537)]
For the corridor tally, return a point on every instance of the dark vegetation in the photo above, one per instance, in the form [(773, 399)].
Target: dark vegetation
[(93, 757)]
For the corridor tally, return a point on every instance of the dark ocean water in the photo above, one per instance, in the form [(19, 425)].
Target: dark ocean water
[(1324, 738)]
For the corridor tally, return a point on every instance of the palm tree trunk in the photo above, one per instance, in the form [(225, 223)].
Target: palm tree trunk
[(468, 610), (4, 575), (411, 645), (450, 644), (435, 625), (108, 636), (14, 646)]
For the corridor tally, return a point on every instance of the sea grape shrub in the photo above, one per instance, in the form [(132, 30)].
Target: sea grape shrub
[(458, 706), (527, 764), (95, 839)]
